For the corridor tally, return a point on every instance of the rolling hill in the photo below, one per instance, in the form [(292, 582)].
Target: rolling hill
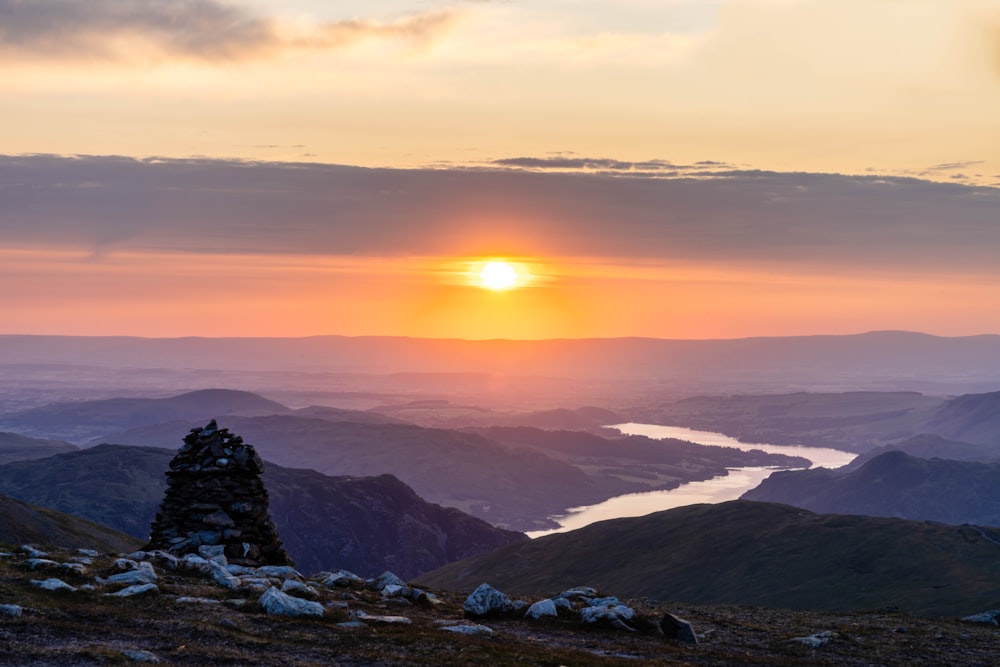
[(751, 553)]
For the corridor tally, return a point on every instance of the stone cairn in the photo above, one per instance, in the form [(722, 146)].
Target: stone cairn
[(215, 498)]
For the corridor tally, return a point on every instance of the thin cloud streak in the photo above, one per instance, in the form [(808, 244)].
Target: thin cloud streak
[(204, 30)]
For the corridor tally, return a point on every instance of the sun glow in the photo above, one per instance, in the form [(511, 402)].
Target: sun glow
[(498, 275)]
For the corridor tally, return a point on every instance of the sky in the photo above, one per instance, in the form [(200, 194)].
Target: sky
[(661, 168)]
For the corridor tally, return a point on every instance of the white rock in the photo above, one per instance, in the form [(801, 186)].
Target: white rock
[(193, 600), (387, 620), (143, 574), (32, 552), (276, 603), (221, 576), (473, 629), (75, 568), (487, 600), (816, 640), (208, 552), (542, 609), (132, 591), (52, 584), (11, 609), (579, 592), (611, 613), (125, 564), (986, 617), (87, 553)]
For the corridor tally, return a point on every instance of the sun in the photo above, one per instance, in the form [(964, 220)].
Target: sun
[(498, 275)]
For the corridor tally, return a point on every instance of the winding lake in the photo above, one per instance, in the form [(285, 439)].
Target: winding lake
[(715, 490)]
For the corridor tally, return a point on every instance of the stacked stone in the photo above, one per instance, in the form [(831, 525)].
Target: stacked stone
[(215, 497)]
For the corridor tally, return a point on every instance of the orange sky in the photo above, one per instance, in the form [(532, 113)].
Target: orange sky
[(685, 168)]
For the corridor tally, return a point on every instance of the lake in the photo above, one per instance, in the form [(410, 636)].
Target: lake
[(715, 490)]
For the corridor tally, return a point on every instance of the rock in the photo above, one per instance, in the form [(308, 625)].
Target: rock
[(816, 640), (78, 569), (282, 572), (578, 593), (615, 615), (126, 564), (32, 552), (140, 656), (352, 625), (385, 620), (986, 617), (542, 609), (340, 579), (132, 591), (41, 564), (53, 584), (11, 610), (383, 580), (473, 629), (87, 553), (143, 574), (299, 590), (674, 627), (208, 552), (221, 576), (276, 603), (195, 600), (485, 601), (215, 498)]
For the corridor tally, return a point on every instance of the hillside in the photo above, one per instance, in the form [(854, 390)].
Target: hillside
[(80, 421), (972, 418), (366, 525), (750, 553), (893, 484), (15, 447), (21, 523)]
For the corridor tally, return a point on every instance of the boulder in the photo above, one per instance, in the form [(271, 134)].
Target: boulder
[(674, 627), (132, 591), (542, 609), (276, 603), (486, 601), (52, 584), (985, 617), (143, 574)]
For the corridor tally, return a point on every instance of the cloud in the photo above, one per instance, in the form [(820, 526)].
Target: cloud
[(206, 30), (567, 163), (101, 204), (949, 166)]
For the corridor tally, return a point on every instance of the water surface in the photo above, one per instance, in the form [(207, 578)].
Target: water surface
[(715, 490)]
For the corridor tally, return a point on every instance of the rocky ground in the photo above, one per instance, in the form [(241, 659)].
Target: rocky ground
[(150, 608)]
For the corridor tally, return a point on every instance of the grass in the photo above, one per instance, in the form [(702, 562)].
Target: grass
[(86, 628)]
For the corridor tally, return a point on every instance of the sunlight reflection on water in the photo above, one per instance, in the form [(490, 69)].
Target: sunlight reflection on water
[(716, 490)]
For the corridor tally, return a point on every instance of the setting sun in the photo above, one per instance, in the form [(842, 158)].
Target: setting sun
[(498, 276)]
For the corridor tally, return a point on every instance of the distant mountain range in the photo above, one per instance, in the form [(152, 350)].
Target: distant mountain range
[(885, 360), (516, 484), (752, 553), (362, 524)]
